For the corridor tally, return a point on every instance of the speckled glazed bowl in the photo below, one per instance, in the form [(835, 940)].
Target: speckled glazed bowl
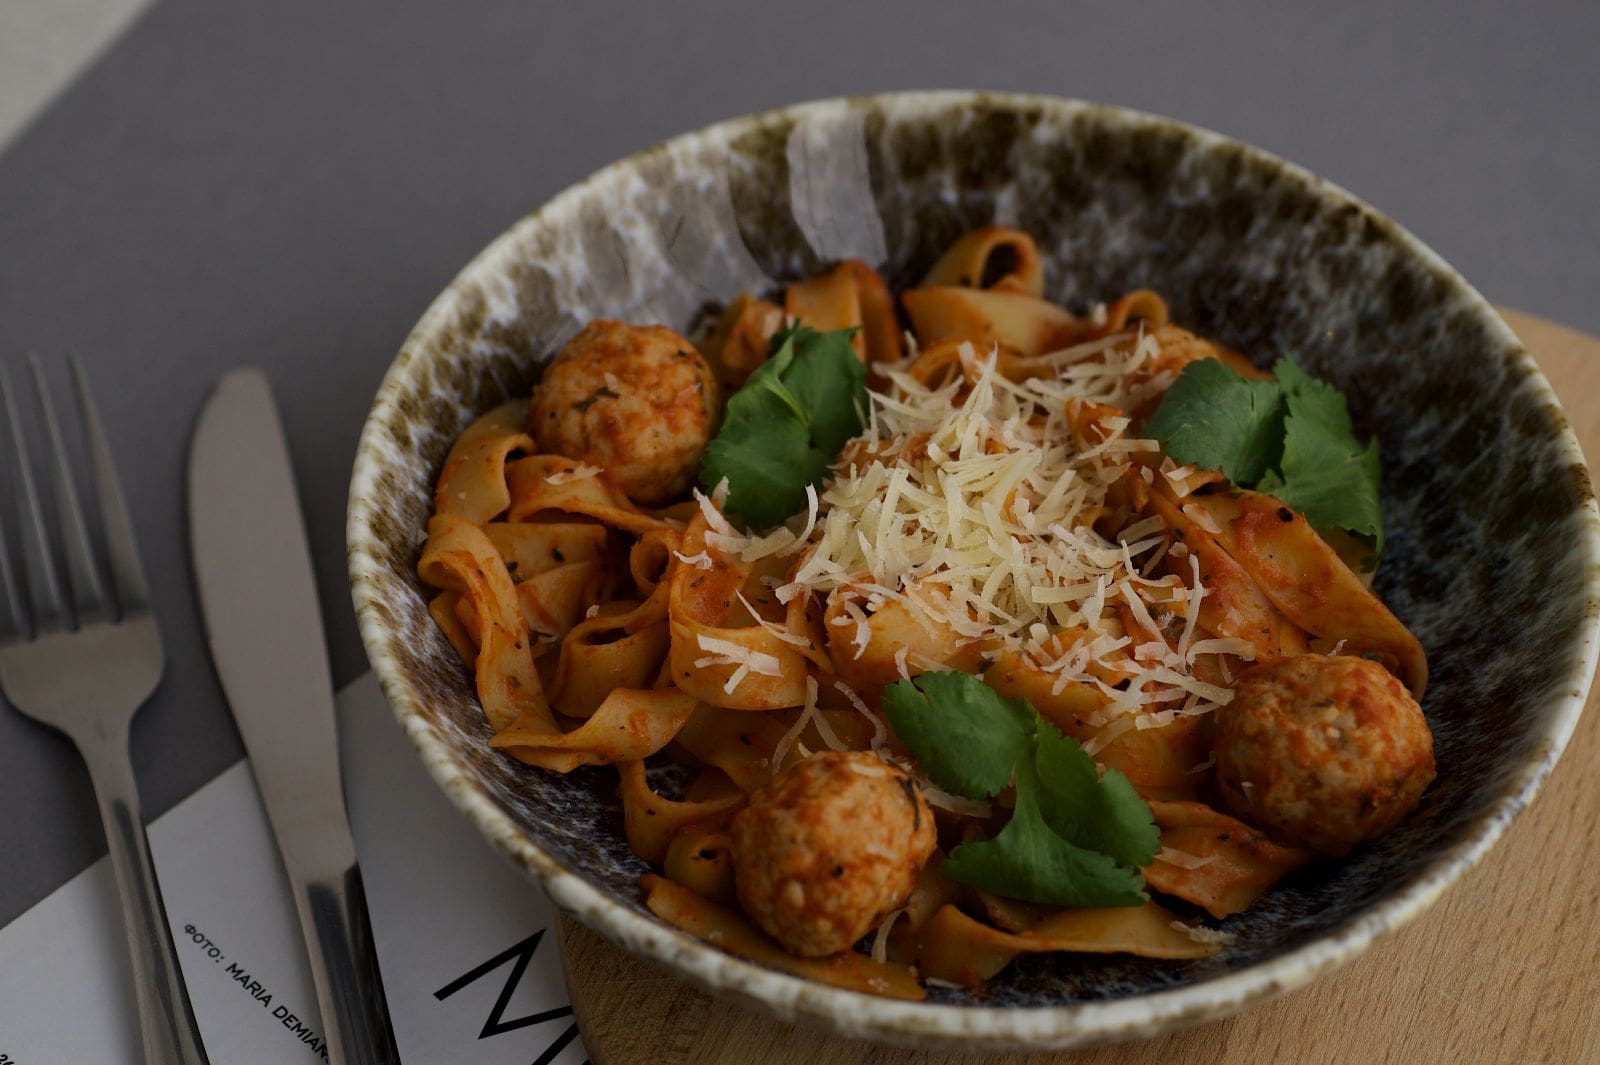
[(1492, 526)]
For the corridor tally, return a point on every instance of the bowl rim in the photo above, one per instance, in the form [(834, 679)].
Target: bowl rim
[(859, 1015)]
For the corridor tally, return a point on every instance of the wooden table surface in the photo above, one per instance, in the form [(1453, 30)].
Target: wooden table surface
[(1504, 969)]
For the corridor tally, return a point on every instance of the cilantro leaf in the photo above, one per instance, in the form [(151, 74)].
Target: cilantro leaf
[(764, 447), (830, 384), (782, 430), (1330, 486), (765, 385), (1291, 438), (966, 737), (764, 467), (1099, 813), (1029, 861), (1327, 476), (1074, 838), (1214, 419)]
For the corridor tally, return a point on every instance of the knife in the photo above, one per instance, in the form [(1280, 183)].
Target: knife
[(259, 597)]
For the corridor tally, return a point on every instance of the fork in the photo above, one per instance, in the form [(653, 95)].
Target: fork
[(84, 662)]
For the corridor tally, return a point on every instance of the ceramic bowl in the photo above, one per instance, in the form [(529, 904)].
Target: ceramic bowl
[(1490, 516)]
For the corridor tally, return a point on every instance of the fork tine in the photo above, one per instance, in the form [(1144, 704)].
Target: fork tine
[(44, 589), (83, 576), (122, 551)]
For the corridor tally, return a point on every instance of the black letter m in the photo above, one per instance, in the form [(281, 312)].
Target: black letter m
[(523, 953)]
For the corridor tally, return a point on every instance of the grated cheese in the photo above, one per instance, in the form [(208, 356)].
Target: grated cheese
[(808, 712), (710, 508), (1202, 934), (728, 653), (880, 942), (1202, 517), (975, 504), (777, 631), (577, 473), (1183, 859), (1109, 735), (880, 731), (957, 804), (830, 738)]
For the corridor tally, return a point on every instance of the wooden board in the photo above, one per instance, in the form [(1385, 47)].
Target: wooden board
[(1505, 968)]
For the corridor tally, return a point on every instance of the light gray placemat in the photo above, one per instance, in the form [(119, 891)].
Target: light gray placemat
[(45, 44), (288, 184)]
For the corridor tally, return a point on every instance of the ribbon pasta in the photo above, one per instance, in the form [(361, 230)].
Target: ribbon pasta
[(600, 632)]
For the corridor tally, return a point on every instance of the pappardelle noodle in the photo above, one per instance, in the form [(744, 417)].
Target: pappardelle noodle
[(963, 627)]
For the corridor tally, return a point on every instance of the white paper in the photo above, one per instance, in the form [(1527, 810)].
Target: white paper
[(448, 914)]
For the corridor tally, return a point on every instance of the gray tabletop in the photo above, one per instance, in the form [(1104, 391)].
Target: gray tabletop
[(288, 185)]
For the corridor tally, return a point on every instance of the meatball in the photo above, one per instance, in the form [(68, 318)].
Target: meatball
[(1322, 751), (832, 844), (636, 400)]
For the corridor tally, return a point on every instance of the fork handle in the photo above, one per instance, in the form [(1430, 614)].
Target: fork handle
[(171, 1036)]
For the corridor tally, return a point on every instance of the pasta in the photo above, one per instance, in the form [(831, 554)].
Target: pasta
[(998, 515)]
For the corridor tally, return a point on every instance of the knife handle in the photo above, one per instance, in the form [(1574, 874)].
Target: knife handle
[(344, 967), (166, 1020)]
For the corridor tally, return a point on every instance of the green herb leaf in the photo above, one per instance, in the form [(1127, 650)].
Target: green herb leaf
[(966, 737), (1029, 861), (1291, 438), (1099, 813), (1214, 419), (766, 384), (782, 430), (830, 384), (1074, 838), (1327, 475), (764, 467)]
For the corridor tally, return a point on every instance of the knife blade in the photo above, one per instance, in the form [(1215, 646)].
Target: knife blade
[(252, 564)]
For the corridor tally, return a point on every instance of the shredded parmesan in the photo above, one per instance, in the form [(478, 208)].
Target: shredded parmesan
[(728, 653), (940, 799), (778, 632), (807, 712), (1202, 517), (1109, 735), (1202, 934), (1225, 646), (1184, 860), (880, 731), (830, 738), (699, 560), (978, 505), (709, 508), (577, 473), (880, 942)]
